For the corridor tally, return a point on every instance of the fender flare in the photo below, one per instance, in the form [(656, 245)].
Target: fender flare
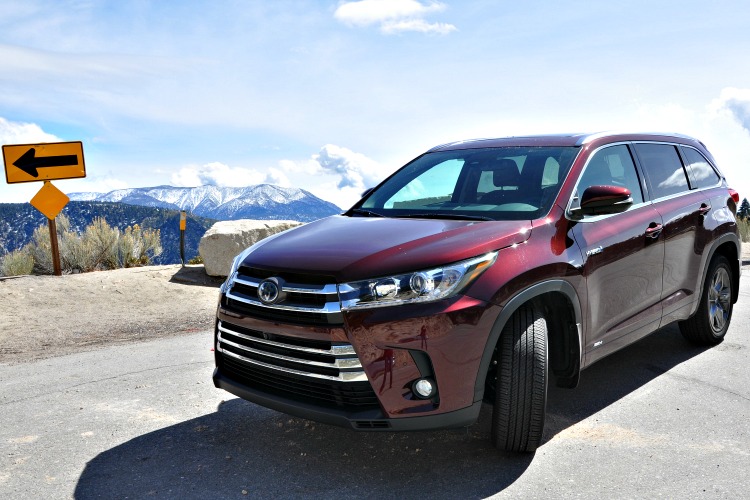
[(708, 257), (511, 307)]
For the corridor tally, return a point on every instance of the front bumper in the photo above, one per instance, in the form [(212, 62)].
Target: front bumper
[(359, 372), (368, 420)]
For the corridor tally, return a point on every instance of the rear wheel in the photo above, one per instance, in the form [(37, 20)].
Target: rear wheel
[(711, 321), (521, 387)]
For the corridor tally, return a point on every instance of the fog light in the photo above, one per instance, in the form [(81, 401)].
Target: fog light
[(424, 388)]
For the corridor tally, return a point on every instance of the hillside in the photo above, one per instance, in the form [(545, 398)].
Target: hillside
[(18, 221)]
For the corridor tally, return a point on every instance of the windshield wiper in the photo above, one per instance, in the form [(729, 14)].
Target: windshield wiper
[(444, 216), (366, 213)]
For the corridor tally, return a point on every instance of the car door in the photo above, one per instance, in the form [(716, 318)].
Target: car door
[(685, 235), (623, 256)]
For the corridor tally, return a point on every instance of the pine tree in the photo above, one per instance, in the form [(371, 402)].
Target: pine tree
[(744, 210)]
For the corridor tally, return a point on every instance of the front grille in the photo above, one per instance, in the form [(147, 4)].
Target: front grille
[(315, 372), (305, 299)]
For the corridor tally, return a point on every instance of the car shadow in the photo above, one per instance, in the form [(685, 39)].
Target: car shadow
[(196, 276), (243, 448)]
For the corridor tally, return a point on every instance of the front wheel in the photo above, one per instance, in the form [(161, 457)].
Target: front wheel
[(521, 389), (711, 321)]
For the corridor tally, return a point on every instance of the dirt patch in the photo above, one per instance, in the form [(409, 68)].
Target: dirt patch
[(46, 316)]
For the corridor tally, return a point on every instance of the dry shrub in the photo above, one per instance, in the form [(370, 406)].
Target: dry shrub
[(17, 263), (99, 247), (744, 226)]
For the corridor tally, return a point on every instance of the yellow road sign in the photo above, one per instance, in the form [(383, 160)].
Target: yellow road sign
[(49, 200), (43, 162)]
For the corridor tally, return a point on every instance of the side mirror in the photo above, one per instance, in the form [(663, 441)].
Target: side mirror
[(366, 192), (604, 200)]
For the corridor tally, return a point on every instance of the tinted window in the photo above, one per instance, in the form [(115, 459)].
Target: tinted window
[(663, 168), (701, 172), (612, 166)]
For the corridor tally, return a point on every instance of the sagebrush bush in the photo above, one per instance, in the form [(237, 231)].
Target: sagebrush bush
[(98, 247), (17, 263), (137, 246), (744, 226), (196, 260)]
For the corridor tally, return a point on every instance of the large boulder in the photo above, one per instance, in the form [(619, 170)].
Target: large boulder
[(221, 244)]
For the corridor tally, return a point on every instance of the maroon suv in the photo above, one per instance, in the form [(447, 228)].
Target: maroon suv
[(477, 272)]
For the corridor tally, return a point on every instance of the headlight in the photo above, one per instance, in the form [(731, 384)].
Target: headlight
[(420, 286)]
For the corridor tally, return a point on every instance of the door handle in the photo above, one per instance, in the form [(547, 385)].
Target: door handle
[(653, 230), (704, 209)]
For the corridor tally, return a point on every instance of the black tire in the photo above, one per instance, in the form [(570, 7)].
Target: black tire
[(521, 389), (710, 322)]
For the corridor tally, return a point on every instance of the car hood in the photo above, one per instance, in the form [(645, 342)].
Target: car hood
[(352, 248)]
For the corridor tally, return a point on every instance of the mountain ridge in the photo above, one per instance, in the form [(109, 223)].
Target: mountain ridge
[(260, 201)]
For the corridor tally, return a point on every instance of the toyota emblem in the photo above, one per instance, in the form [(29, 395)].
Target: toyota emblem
[(268, 291)]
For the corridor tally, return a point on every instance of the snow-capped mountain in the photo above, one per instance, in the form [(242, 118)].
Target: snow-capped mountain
[(263, 201)]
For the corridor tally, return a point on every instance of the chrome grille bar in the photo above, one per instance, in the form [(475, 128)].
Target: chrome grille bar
[(336, 350), (340, 363), (330, 292), (343, 358)]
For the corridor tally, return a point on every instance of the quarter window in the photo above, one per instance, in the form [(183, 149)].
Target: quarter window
[(701, 174), (663, 168)]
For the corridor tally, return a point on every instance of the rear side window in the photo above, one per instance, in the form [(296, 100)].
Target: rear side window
[(700, 172), (663, 168)]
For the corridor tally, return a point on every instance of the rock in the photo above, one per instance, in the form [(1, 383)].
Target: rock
[(221, 244)]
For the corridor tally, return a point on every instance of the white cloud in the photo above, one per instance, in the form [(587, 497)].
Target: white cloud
[(393, 16), (419, 25), (352, 169), (278, 177), (336, 174), (737, 102), (217, 174), (23, 133)]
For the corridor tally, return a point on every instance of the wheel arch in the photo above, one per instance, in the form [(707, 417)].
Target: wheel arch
[(562, 309), (727, 245)]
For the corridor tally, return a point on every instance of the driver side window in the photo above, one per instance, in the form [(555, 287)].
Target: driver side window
[(612, 166)]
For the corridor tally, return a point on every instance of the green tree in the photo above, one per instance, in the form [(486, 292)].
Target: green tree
[(744, 210)]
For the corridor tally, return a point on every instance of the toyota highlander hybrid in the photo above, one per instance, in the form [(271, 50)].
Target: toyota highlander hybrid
[(477, 273)]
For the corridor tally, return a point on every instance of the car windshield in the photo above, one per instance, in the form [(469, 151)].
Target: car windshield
[(508, 183)]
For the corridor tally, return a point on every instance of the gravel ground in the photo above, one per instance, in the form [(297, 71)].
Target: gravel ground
[(46, 316)]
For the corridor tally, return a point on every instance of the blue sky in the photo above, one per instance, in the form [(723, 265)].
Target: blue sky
[(331, 96)]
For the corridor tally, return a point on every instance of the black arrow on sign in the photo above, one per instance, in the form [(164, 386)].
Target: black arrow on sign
[(29, 163)]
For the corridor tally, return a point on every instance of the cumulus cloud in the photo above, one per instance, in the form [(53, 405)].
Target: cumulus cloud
[(393, 16), (221, 175), (353, 170), (217, 174), (278, 177), (23, 133), (419, 25), (336, 174), (737, 102)]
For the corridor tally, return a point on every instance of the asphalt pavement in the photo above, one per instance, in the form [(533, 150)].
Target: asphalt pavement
[(660, 418)]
